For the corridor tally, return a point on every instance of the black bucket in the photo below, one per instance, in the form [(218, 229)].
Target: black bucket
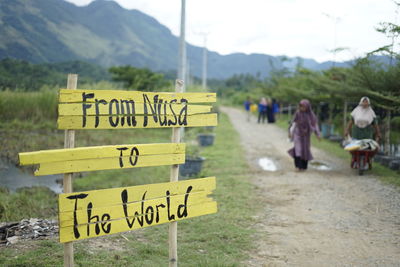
[(385, 160), (395, 165), (378, 158), (206, 139), (336, 138), (191, 167)]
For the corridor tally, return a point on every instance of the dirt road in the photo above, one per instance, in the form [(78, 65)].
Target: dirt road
[(319, 217)]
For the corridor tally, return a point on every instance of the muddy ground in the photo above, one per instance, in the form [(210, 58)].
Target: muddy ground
[(319, 217)]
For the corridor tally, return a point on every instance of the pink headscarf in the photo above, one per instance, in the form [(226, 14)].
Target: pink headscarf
[(306, 120)]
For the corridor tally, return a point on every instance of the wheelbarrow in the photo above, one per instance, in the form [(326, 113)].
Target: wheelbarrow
[(362, 160)]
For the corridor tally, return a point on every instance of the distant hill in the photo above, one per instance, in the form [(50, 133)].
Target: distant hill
[(21, 75), (104, 33)]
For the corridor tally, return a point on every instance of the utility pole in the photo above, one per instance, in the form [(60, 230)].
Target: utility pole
[(180, 87), (335, 22), (182, 47), (204, 76), (188, 70), (204, 63)]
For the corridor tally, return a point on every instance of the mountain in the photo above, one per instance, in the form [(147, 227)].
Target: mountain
[(104, 33)]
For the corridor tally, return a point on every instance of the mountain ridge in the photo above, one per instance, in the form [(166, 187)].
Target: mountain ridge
[(105, 33)]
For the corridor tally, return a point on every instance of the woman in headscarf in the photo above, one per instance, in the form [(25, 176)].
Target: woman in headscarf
[(363, 122), (270, 111), (303, 125)]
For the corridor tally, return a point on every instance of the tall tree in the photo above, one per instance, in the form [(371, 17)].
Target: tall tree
[(138, 79)]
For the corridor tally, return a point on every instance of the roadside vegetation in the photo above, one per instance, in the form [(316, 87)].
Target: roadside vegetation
[(202, 241)]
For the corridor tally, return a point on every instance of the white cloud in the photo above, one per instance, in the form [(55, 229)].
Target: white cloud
[(276, 27)]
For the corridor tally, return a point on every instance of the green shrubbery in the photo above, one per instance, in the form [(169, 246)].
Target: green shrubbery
[(19, 75), (38, 106), (28, 106)]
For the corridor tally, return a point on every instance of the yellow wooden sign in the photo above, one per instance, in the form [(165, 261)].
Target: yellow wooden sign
[(129, 122), (102, 212), (106, 109), (107, 96), (104, 157), (126, 108)]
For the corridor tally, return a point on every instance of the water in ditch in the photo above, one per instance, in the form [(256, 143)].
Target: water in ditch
[(13, 178)]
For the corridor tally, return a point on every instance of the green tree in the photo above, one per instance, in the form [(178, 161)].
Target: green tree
[(379, 81), (21, 75), (138, 79)]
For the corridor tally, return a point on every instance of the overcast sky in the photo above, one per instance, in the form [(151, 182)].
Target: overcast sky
[(304, 28)]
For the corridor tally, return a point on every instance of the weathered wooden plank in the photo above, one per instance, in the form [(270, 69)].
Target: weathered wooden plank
[(67, 234), (93, 213), (124, 162), (116, 212), (96, 152), (78, 109), (69, 142), (111, 196), (119, 122), (90, 96)]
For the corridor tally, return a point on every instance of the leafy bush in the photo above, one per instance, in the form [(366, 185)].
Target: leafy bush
[(138, 79), (28, 106)]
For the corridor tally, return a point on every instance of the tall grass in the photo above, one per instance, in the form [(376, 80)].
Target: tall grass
[(27, 203), (28, 106), (38, 106)]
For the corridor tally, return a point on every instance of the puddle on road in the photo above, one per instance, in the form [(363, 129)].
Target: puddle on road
[(319, 165), (267, 164), (14, 178)]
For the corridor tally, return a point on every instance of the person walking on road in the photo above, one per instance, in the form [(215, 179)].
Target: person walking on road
[(262, 110), (270, 111), (363, 123), (303, 125), (275, 108), (247, 106)]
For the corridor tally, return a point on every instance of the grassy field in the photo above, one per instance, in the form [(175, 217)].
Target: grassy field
[(222, 239)]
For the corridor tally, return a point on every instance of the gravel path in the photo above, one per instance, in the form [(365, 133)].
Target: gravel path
[(317, 218)]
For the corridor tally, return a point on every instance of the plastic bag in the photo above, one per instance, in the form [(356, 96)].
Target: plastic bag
[(363, 144), (347, 140), (291, 131)]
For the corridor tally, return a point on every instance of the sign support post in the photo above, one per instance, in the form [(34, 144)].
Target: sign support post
[(69, 142), (173, 226)]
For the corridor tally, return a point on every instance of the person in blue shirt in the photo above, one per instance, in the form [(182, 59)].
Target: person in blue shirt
[(262, 110), (247, 105), (275, 108)]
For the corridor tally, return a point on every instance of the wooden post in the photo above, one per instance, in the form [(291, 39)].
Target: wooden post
[(173, 227), (387, 133), (331, 107), (345, 115), (69, 142)]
